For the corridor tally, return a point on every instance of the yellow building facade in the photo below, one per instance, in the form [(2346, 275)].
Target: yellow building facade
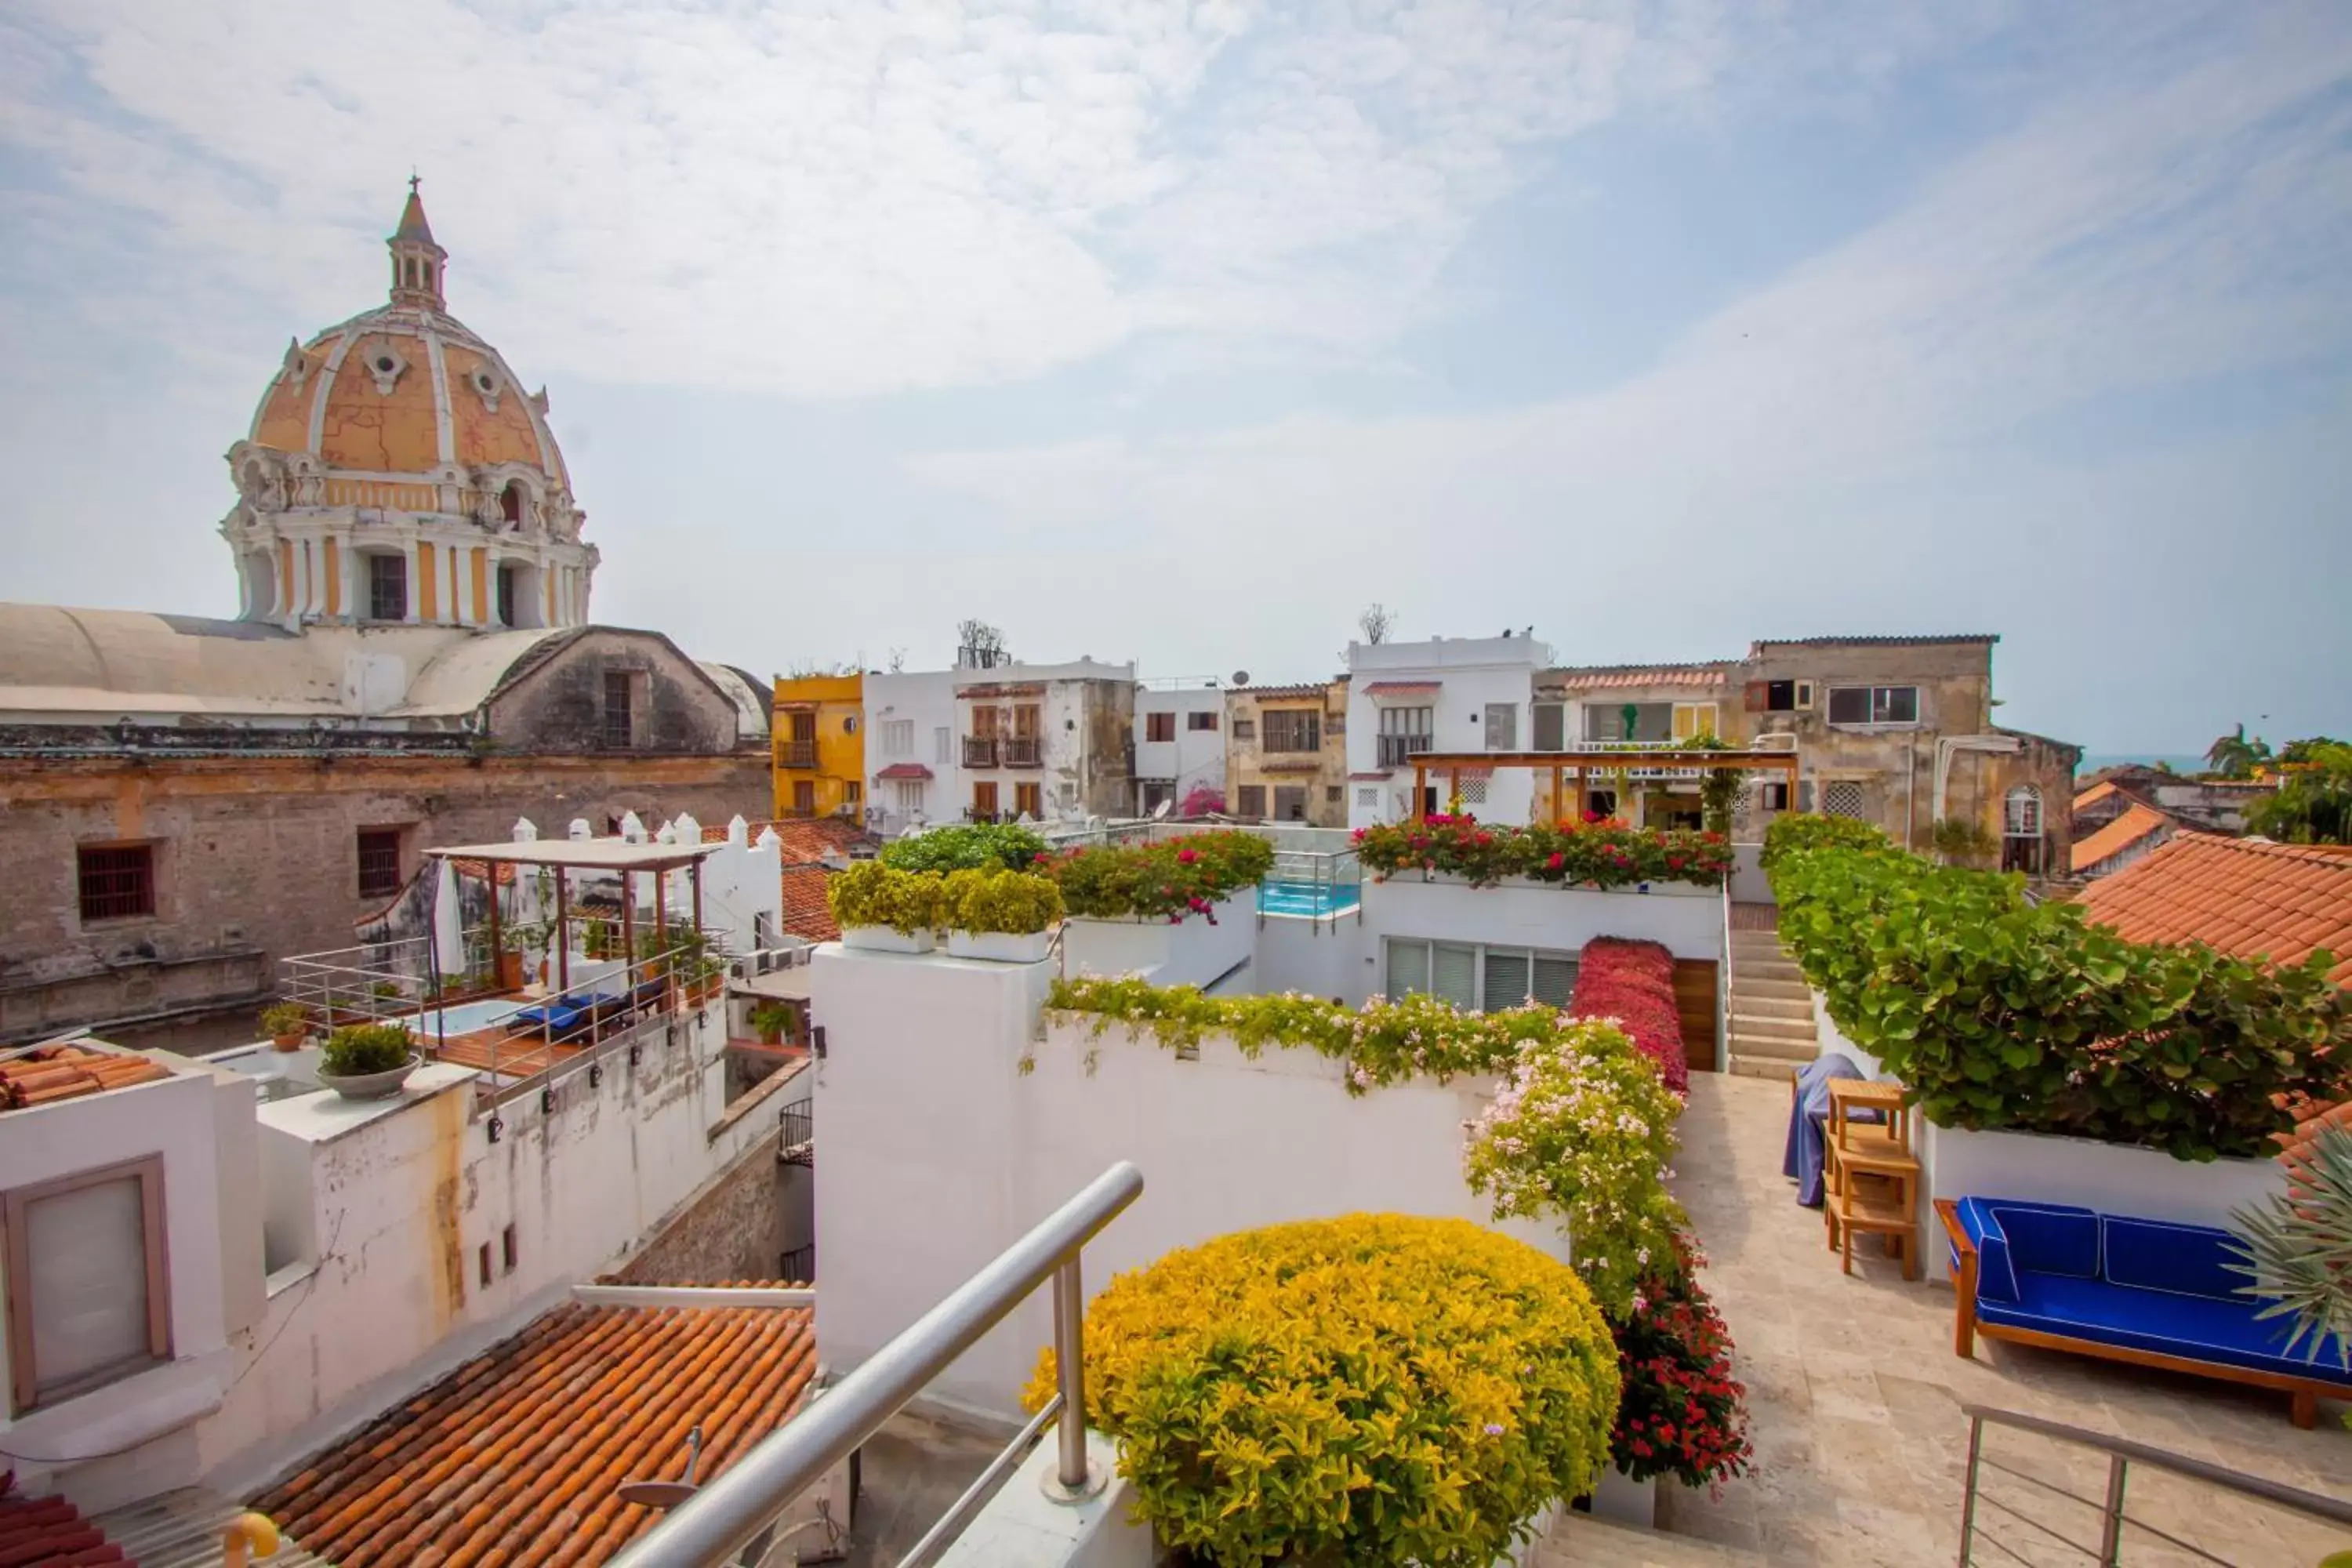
[(820, 745)]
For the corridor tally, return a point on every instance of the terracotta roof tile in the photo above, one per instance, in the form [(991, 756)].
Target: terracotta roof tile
[(51, 1531), (807, 913), (2095, 794), (2120, 835), (1602, 676), (516, 1458), (69, 1072), (2245, 896), (806, 839)]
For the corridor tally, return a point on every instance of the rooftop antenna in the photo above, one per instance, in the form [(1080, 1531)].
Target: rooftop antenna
[(667, 1494)]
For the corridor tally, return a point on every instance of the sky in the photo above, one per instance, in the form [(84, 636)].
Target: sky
[(1180, 333)]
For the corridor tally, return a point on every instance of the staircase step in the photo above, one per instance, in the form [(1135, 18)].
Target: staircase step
[(1764, 1026), (1580, 1541), (1763, 1067), (1786, 1047), (1757, 1003)]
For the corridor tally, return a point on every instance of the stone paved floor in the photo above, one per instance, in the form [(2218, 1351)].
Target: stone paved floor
[(1855, 1396)]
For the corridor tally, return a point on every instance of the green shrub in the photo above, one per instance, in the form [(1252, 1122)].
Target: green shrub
[(1016, 903), (869, 894), (1791, 832), (1170, 878), (357, 1048), (769, 1020), (2000, 1013), (1375, 1388), (285, 1018), (966, 848), (1963, 841)]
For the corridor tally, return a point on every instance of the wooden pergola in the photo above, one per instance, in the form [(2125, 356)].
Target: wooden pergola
[(564, 854), (1452, 765)]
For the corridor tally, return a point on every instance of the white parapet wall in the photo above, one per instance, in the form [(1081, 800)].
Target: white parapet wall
[(941, 1150), (1195, 951)]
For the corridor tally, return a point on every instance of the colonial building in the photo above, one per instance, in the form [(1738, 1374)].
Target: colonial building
[(185, 797), (1286, 753), (820, 745), (1046, 740), (1180, 745)]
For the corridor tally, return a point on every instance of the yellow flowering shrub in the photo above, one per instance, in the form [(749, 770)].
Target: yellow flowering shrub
[(1376, 1388)]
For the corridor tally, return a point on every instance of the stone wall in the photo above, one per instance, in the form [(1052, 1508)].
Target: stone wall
[(732, 1228), (557, 704), (256, 858)]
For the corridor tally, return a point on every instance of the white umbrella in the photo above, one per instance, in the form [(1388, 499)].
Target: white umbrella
[(449, 925)]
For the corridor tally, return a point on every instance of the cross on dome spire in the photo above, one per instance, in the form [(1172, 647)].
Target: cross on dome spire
[(416, 259)]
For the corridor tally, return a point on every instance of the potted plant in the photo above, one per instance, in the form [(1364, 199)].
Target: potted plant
[(1007, 917), (368, 1061), (770, 1020), (288, 1024), (883, 910)]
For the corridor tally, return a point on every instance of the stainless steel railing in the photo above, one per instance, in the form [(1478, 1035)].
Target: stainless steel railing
[(712, 1526), (2113, 1517)]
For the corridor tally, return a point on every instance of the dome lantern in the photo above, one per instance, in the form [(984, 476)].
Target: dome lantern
[(416, 260)]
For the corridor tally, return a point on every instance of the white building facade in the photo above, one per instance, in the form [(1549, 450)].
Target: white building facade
[(913, 751), (1180, 742), (1044, 741), (1447, 695)]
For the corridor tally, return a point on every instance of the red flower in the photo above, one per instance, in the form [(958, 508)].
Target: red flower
[(1557, 860), (1188, 856)]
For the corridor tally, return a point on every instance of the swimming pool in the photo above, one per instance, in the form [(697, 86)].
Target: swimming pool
[(1309, 898), (462, 1019)]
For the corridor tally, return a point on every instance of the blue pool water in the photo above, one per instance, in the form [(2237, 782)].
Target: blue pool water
[(461, 1020), (1307, 899)]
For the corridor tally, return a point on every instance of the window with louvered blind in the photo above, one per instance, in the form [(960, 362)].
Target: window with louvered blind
[(1505, 980), (1476, 978), (1554, 979), (1453, 975)]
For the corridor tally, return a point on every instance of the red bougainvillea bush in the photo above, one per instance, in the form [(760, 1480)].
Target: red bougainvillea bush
[(1682, 1413), (1633, 984)]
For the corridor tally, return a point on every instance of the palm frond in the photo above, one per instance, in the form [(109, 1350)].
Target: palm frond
[(2297, 1248)]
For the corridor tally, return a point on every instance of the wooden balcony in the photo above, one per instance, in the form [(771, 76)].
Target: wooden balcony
[(796, 753), (980, 751), (1027, 752)]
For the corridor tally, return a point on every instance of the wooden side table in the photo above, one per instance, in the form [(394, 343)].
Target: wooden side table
[(1870, 1175)]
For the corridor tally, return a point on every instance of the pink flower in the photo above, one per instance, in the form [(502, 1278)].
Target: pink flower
[(1557, 860), (1188, 856)]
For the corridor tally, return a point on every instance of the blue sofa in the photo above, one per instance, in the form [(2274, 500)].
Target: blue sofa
[(2137, 1291)]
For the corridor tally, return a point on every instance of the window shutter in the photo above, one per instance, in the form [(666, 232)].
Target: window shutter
[(1408, 968), (1555, 980), (89, 1283), (1506, 978), (1455, 974), (1550, 726), (1756, 694)]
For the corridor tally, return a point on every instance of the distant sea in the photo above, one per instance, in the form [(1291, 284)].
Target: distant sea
[(2182, 763)]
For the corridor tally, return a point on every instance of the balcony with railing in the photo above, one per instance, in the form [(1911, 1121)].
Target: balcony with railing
[(1397, 751), (1022, 752), (796, 753), (980, 751)]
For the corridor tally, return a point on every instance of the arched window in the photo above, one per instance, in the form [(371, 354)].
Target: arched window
[(2020, 830), (510, 501)]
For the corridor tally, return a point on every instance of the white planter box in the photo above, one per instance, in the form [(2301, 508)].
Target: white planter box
[(882, 939), (1620, 1499), (1190, 952), (1000, 947)]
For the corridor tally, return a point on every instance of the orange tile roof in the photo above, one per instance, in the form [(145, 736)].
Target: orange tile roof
[(516, 1458), (806, 839), (2245, 896), (2120, 835), (49, 1529), (2095, 794), (807, 913), (69, 1072)]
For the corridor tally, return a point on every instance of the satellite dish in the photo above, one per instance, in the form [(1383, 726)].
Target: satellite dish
[(1240, 678), (1160, 812), (667, 1494)]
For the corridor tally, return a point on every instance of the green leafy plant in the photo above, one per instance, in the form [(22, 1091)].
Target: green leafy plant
[(2298, 1250), (1167, 879), (358, 1048), (1718, 788), (2002, 1012), (1682, 1413), (964, 848), (1375, 1388), (1597, 853), (2314, 801), (282, 1019), (1790, 834), (1016, 903), (1580, 1130), (386, 990), (869, 894), (769, 1020)]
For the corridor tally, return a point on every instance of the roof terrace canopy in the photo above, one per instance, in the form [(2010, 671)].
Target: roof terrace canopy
[(582, 854)]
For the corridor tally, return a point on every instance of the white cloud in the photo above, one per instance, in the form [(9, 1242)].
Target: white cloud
[(837, 199)]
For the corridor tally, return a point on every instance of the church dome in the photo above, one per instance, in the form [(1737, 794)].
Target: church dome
[(406, 388), (397, 472)]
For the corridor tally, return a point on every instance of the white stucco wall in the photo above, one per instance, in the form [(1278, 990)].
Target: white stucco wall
[(939, 1151), (1471, 673), (1322, 958), (1192, 952), (207, 1224), (1195, 757), (926, 701), (1687, 920)]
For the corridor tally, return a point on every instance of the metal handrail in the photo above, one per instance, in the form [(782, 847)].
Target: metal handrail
[(723, 1517), (2122, 1453)]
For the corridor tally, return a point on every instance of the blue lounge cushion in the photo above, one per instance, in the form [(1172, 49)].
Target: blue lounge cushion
[(2191, 1327), (2179, 1259), (1996, 1274), (2048, 1238)]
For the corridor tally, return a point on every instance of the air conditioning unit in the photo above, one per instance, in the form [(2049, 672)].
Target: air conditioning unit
[(1776, 741)]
